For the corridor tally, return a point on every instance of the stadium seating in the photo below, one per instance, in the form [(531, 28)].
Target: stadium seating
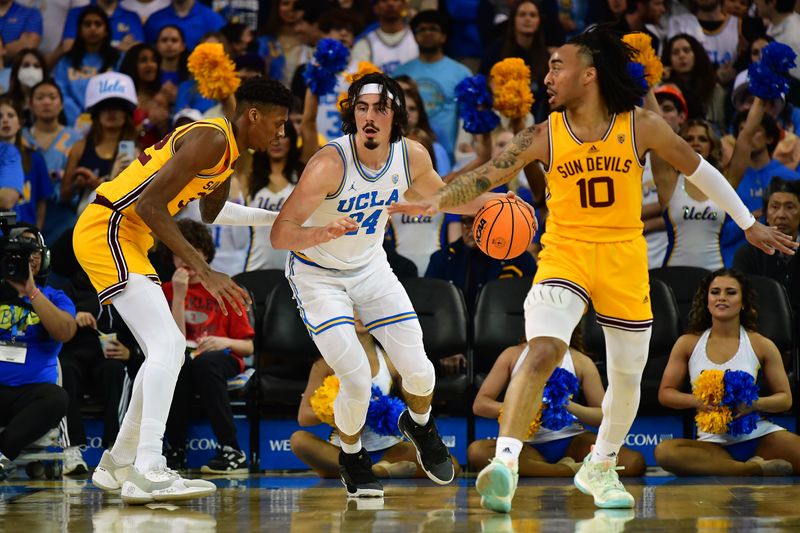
[(683, 281)]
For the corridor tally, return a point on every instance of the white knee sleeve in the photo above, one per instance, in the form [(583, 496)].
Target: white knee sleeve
[(403, 344), (552, 311), (626, 351), (343, 353)]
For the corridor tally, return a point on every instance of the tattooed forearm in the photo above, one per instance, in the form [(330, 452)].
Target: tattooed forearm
[(499, 170), (211, 204)]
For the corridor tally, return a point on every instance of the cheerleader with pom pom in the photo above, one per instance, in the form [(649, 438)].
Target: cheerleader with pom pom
[(555, 452), (722, 355), (392, 456)]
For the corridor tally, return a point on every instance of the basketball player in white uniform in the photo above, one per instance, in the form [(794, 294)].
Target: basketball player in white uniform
[(333, 223)]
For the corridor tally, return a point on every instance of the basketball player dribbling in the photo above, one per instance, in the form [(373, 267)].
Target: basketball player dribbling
[(111, 241), (334, 222), (592, 148)]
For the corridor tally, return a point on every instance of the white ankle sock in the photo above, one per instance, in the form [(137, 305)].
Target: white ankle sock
[(508, 450), (351, 448), (420, 419), (603, 451)]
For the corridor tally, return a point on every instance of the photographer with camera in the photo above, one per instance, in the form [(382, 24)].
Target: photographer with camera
[(34, 322)]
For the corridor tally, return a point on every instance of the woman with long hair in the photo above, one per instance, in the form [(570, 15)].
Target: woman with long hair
[(171, 45), (36, 187), (722, 336), (418, 118), (50, 137), (524, 38), (550, 453), (691, 70), (28, 69), (143, 64), (278, 43), (393, 457), (90, 55), (274, 175), (188, 95), (96, 158), (694, 222)]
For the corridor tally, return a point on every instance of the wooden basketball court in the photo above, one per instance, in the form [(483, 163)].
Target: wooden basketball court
[(306, 504)]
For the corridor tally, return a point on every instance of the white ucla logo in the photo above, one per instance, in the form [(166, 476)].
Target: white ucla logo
[(111, 87)]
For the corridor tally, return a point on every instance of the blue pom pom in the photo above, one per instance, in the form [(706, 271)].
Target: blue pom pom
[(330, 58), (561, 386), (743, 425), (636, 70), (475, 105), (557, 418), (740, 388), (768, 76), (383, 412)]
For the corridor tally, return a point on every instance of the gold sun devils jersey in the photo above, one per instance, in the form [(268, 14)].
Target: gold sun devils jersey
[(125, 189), (594, 188)]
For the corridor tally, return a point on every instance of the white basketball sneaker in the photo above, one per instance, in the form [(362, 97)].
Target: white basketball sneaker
[(108, 475), (163, 485), (601, 481)]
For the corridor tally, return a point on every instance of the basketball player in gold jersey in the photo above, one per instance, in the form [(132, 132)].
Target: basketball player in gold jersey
[(592, 148), (111, 241)]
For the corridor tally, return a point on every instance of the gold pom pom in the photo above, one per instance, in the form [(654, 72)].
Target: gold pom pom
[(653, 68), (364, 68), (214, 71), (715, 421), (511, 87), (534, 425), (709, 387), (322, 399)]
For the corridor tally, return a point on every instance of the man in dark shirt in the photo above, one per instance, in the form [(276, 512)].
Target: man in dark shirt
[(469, 269), (782, 206)]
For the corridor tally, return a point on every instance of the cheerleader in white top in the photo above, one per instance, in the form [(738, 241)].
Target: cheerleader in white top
[(549, 453), (391, 455), (693, 221), (722, 337)]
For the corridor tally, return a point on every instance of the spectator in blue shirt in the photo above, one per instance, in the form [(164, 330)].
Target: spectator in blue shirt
[(755, 181), (436, 75), (466, 267), (188, 95), (90, 55), (20, 27), (37, 187), (11, 176), (37, 319), (192, 17), (126, 27)]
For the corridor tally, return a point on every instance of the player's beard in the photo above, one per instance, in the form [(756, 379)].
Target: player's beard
[(371, 144)]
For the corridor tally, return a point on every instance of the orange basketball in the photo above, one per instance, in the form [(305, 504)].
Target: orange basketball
[(503, 228)]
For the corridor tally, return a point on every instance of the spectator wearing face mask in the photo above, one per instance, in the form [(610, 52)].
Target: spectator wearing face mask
[(29, 68)]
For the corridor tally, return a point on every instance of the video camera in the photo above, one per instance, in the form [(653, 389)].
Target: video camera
[(16, 250)]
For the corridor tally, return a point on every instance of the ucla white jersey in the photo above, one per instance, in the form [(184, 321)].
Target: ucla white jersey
[(693, 230), (387, 57), (363, 195), (746, 360), (259, 251), (417, 237), (656, 240), (722, 45), (544, 434)]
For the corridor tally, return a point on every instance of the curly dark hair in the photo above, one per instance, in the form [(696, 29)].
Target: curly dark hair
[(197, 235), (261, 91), (699, 316), (610, 55), (397, 104)]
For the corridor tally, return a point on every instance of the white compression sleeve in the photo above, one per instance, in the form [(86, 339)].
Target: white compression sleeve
[(714, 185), (240, 215)]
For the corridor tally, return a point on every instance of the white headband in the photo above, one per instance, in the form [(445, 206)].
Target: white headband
[(374, 88)]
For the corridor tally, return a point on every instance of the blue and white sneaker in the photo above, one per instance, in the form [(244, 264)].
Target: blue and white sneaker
[(601, 481), (497, 484)]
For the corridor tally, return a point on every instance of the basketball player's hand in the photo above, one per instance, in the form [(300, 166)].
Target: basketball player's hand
[(427, 206), (226, 291), (85, 320), (511, 196), (770, 239), (335, 229)]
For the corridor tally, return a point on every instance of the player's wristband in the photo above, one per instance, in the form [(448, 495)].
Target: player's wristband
[(233, 214), (714, 185)]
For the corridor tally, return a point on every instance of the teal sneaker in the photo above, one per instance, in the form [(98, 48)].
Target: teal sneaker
[(497, 484), (601, 481)]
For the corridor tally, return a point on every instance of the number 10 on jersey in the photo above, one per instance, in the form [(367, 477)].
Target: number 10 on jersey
[(592, 193)]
